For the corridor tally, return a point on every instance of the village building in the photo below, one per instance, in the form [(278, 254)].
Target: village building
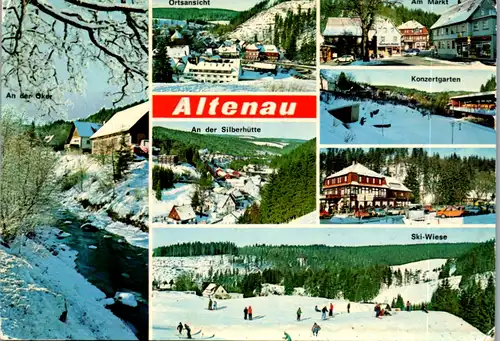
[(252, 52), (467, 30), (226, 204), (168, 159), (481, 105), (182, 214), (178, 52), (229, 51), (270, 53), (215, 291), (357, 187), (216, 71), (414, 35), (129, 126), (343, 36), (79, 135)]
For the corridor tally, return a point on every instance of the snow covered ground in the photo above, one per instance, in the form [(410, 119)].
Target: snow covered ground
[(310, 218), (266, 84), (275, 314), (407, 126), (128, 199), (36, 287)]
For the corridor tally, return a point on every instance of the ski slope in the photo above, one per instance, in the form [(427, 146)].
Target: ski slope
[(408, 126), (275, 314)]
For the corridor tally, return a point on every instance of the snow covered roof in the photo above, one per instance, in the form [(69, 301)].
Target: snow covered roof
[(176, 35), (457, 13), (358, 169), (396, 185), (342, 27), (477, 94), (123, 120), (210, 288), (185, 212), (270, 48), (410, 25), (228, 49), (223, 200), (253, 47), (86, 129), (232, 65)]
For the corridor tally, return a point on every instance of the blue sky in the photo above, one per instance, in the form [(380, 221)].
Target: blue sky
[(471, 79), (235, 5), (282, 129), (308, 236), (484, 152)]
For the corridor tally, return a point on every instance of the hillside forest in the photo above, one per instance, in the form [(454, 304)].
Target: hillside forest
[(352, 273), (449, 179)]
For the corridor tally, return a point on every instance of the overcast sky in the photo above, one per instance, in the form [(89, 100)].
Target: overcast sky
[(292, 130), (235, 5), (471, 79), (309, 236)]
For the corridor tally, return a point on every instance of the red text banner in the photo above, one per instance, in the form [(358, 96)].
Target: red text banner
[(234, 106)]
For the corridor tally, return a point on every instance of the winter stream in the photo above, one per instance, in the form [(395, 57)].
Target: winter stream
[(112, 265)]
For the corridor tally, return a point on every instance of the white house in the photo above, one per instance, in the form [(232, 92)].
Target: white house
[(178, 51), (79, 136), (388, 37), (215, 291), (226, 204), (216, 71)]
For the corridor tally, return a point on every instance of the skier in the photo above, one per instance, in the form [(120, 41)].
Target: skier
[(315, 329), (408, 306), (349, 307), (245, 311), (317, 309), (210, 304), (377, 310), (330, 312), (214, 305), (299, 312), (287, 337), (188, 331), (424, 308), (323, 313), (250, 311), (180, 327)]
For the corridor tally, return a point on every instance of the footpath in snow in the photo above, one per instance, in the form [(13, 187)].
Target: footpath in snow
[(275, 314), (408, 126)]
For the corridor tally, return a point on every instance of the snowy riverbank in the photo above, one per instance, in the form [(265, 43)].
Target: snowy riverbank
[(42, 296), (121, 208)]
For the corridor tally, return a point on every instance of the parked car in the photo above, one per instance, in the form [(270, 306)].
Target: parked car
[(451, 212), (472, 210), (345, 59), (428, 209), (410, 52)]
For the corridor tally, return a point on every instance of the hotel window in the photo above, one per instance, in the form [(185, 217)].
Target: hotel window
[(446, 30), (476, 26), (452, 44), (485, 24), (345, 178), (448, 44), (360, 179)]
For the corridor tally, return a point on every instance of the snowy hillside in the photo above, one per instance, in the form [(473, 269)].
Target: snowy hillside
[(259, 24), (275, 314), (36, 287), (407, 126), (120, 208)]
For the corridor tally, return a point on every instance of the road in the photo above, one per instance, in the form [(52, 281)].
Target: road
[(406, 61)]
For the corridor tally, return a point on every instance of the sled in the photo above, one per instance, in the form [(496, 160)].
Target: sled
[(387, 125)]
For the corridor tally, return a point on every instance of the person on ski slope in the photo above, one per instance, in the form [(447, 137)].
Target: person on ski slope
[(188, 331), (210, 304), (349, 307), (317, 309), (287, 337), (214, 305), (250, 312), (408, 305), (377, 310), (180, 327), (424, 308), (330, 312), (323, 313), (245, 311), (315, 329), (299, 312)]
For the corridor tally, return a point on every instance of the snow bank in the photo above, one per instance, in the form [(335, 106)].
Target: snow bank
[(126, 298), (127, 200), (407, 126), (275, 314), (310, 218), (36, 288)]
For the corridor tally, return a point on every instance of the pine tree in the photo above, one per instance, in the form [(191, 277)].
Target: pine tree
[(163, 71), (123, 159), (411, 181), (158, 190)]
